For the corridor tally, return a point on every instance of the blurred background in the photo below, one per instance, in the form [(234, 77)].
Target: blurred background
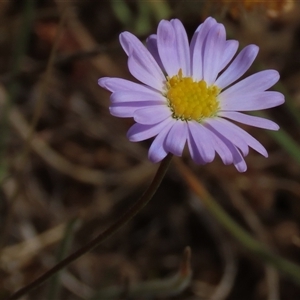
[(67, 170)]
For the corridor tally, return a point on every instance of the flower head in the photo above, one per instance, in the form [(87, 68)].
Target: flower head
[(188, 93)]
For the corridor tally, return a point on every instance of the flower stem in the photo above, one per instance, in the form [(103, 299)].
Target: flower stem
[(250, 243), (145, 198)]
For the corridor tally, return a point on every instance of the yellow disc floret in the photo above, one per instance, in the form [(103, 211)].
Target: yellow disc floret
[(191, 100)]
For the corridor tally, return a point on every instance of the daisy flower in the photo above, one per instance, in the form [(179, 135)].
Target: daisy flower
[(188, 93)]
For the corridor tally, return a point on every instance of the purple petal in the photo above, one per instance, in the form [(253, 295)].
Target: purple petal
[(203, 27), (152, 114), (182, 46), (228, 133), (119, 84), (213, 53), (248, 102), (229, 153), (127, 109), (129, 96), (140, 132), (253, 84), (144, 72), (220, 146), (167, 47), (249, 120), (238, 159), (151, 43), (242, 134), (157, 150), (231, 47), (194, 151), (176, 138), (238, 67), (141, 63), (196, 47), (202, 139)]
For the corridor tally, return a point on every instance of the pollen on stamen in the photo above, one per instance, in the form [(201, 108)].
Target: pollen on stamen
[(190, 100)]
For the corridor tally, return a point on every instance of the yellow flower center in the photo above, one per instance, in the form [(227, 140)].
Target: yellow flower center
[(189, 100)]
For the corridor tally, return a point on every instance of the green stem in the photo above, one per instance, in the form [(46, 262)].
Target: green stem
[(285, 140), (142, 202), (64, 246)]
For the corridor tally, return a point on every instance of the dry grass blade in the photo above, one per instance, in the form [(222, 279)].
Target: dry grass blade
[(22, 253), (166, 287), (254, 223)]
